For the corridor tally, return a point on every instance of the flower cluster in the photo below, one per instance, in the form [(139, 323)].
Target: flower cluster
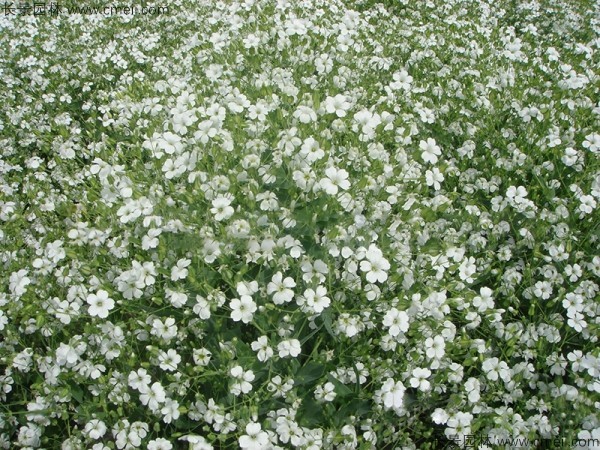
[(269, 224)]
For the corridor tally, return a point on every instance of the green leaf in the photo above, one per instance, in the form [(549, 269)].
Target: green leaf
[(310, 413), (310, 372), (76, 392), (327, 322), (356, 407), (340, 388)]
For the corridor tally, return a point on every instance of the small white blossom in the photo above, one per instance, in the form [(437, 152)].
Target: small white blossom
[(430, 151), (254, 439), (100, 304), (397, 321), (289, 347), (242, 309)]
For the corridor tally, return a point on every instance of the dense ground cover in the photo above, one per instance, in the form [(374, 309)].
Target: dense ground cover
[(317, 224)]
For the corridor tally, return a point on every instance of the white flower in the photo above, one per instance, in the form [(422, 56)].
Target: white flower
[(258, 111), (261, 346), (159, 444), (570, 157), (29, 436), (202, 307), (170, 143), (576, 320), (247, 288), (166, 330), (543, 290), (65, 311), (397, 321), (242, 383), (207, 129), (466, 269), (592, 142), (435, 347), (168, 360), (349, 325), (281, 288), (472, 387), (494, 368), (393, 394), (254, 439), (314, 301), (139, 380), (18, 281), (376, 265), (325, 393), (153, 396), (221, 208), (458, 426), (137, 432), (430, 151), (95, 429), (151, 239), (201, 356), (305, 114), (211, 250), (289, 347), (279, 387), (237, 101), (239, 229), (23, 361), (179, 272), (574, 272), (177, 299), (182, 119), (367, 120), (439, 416), (336, 178), (419, 379), (3, 320), (433, 178), (516, 195), (196, 442), (315, 271), (268, 201), (402, 80), (311, 150), (170, 410), (295, 26), (587, 206), (55, 251), (484, 300), (242, 309), (338, 105), (100, 304)]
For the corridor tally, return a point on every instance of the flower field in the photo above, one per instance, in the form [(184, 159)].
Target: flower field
[(316, 224)]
